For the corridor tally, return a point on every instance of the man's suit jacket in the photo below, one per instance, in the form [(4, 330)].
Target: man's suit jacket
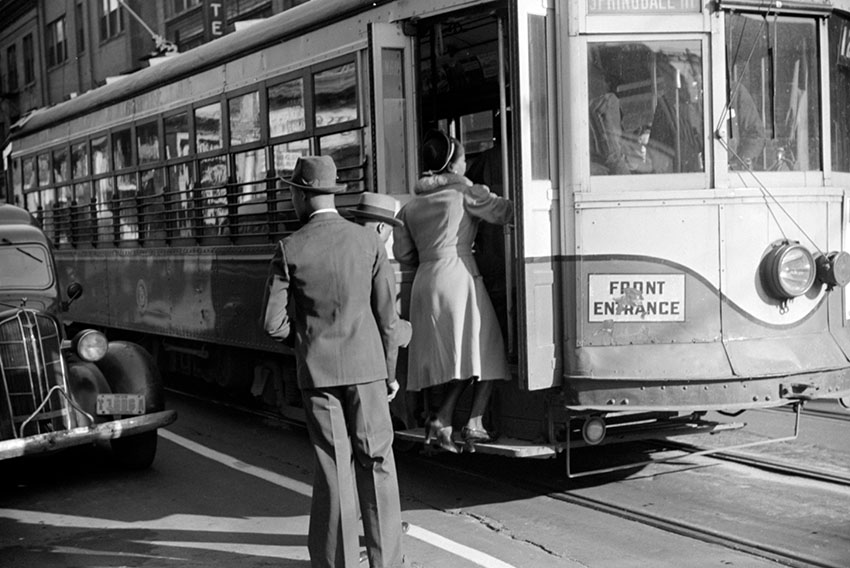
[(331, 283)]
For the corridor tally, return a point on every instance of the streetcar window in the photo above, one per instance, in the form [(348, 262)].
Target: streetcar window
[(476, 132), (80, 160), (17, 180), (147, 142), (286, 108), (100, 155), (151, 205), (122, 155), (43, 170), (773, 97), (646, 107), (29, 173), (212, 177), (346, 148), (31, 202), (103, 196), (208, 128), (60, 165), (285, 156), (82, 193), (839, 96), (47, 198), (250, 167), (251, 212), (244, 115), (177, 136), (125, 202), (394, 107), (538, 93), (62, 209), (180, 200), (335, 92), (81, 213)]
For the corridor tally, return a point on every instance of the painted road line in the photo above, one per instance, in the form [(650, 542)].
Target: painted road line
[(419, 533)]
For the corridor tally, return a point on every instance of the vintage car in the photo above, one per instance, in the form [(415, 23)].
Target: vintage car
[(57, 392)]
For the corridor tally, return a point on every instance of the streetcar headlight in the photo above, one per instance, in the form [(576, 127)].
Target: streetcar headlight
[(788, 270), (834, 268), (593, 430), (90, 345)]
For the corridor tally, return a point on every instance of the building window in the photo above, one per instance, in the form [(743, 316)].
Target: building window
[(178, 6), (80, 21), (111, 19), (12, 67), (29, 60), (57, 43)]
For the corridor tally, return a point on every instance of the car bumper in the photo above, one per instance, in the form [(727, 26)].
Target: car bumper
[(42, 443)]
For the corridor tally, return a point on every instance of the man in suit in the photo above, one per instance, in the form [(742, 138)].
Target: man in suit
[(377, 211), (331, 283)]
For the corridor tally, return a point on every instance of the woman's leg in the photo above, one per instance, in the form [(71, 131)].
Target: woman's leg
[(439, 428), (480, 400), (447, 408)]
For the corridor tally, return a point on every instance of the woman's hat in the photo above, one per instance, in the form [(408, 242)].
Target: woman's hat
[(437, 150), (377, 206), (316, 174)]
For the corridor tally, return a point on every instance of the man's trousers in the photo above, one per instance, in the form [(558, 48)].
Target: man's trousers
[(353, 423)]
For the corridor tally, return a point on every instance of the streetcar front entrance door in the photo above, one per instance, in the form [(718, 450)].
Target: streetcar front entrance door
[(479, 81)]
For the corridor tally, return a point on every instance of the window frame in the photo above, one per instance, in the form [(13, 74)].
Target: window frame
[(105, 11), (29, 58), (632, 183), (53, 45), (725, 179), (12, 78)]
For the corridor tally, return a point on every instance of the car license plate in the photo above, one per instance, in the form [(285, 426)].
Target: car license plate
[(120, 404)]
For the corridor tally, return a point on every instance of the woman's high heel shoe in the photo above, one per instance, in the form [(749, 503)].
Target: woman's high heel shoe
[(439, 435)]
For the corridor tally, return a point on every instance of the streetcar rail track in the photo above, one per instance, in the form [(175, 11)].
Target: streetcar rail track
[(767, 464), (781, 555)]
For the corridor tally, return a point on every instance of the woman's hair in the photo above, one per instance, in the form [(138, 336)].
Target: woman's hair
[(439, 151)]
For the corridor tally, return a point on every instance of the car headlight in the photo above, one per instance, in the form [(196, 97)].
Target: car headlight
[(90, 345), (788, 270)]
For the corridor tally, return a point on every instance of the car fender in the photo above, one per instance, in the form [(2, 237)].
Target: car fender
[(85, 382), (129, 369)]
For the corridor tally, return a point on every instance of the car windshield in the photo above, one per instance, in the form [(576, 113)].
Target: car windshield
[(24, 265)]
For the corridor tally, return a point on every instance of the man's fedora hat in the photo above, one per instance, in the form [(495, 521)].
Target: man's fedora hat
[(378, 207), (316, 174)]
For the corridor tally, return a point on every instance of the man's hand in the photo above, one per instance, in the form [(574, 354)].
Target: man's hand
[(392, 389)]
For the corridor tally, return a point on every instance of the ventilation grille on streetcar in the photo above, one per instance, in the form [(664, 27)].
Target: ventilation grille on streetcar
[(30, 364)]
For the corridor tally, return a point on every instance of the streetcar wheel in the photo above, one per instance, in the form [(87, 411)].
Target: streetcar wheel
[(135, 452)]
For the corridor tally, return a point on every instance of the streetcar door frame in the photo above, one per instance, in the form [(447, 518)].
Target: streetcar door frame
[(536, 196), (383, 37)]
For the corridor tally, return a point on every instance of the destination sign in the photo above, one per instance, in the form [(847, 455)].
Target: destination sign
[(632, 7), (636, 297)]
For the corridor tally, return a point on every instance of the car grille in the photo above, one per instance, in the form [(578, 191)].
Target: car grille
[(30, 365)]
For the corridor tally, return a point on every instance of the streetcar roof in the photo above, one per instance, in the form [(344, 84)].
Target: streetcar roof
[(227, 48)]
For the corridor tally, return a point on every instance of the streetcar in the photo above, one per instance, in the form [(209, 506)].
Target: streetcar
[(679, 169)]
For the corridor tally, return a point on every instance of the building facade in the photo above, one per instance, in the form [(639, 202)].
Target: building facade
[(53, 50)]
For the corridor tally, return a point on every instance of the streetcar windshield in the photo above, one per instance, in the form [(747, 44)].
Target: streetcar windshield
[(646, 107), (773, 100)]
